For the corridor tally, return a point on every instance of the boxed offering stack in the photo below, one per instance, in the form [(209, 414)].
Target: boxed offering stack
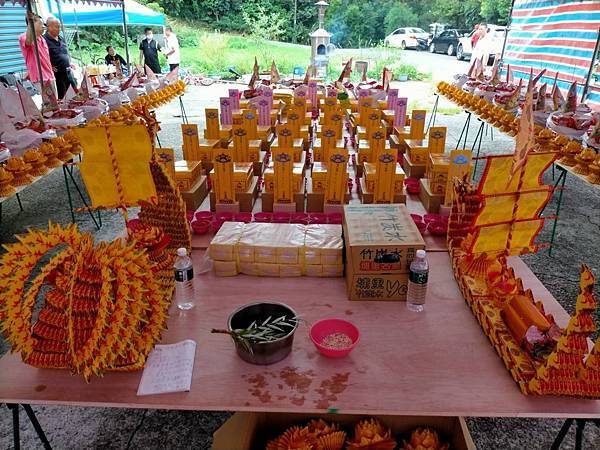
[(381, 242), (277, 250)]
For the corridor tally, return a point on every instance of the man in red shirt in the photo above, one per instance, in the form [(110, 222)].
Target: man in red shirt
[(26, 42)]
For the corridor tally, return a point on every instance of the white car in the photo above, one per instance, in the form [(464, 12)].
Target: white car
[(406, 38), (488, 46)]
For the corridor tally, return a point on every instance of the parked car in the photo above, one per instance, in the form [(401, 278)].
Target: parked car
[(447, 41), (406, 38), (487, 47)]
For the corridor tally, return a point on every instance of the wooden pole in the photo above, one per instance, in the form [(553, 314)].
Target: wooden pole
[(125, 33), (31, 27)]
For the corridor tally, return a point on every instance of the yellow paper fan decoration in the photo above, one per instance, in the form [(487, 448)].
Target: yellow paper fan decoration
[(104, 309)]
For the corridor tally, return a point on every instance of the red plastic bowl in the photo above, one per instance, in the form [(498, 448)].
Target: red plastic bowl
[(433, 218), (325, 327), (245, 217), (318, 218), (335, 218), (281, 217), (438, 229), (200, 226), (263, 217), (299, 217), (422, 226), (416, 218), (224, 216), (189, 215), (204, 215)]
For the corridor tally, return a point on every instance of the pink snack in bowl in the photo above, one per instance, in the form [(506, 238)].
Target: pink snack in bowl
[(330, 336)]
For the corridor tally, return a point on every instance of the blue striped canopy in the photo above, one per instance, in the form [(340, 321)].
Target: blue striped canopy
[(557, 35), (83, 14)]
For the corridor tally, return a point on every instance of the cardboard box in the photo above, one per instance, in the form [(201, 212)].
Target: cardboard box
[(250, 430), (380, 239), (390, 287)]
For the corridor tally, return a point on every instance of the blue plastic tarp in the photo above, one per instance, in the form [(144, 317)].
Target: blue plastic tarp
[(82, 14)]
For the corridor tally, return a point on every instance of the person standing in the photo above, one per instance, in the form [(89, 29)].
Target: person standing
[(59, 56), (172, 52), (26, 42), (149, 51)]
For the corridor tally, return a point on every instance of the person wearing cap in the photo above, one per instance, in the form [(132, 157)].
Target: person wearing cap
[(59, 57), (27, 43)]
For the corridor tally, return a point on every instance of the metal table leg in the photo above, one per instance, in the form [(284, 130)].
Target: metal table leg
[(561, 434), (33, 419), (19, 201), (562, 178), (184, 117), (68, 169), (464, 131), (477, 143), (432, 117)]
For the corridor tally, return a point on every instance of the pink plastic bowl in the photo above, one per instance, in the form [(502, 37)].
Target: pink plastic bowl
[(281, 217), (318, 218), (299, 217), (245, 217), (204, 215), (422, 226), (437, 228), (263, 217), (335, 218), (200, 226), (435, 218), (224, 216), (416, 218), (325, 327)]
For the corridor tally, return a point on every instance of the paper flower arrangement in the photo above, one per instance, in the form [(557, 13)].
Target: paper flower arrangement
[(370, 434), (102, 310), (316, 435), (424, 439)]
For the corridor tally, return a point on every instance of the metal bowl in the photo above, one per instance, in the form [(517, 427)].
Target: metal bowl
[(263, 353)]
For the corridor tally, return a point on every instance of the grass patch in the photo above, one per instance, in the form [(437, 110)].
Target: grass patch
[(213, 53)]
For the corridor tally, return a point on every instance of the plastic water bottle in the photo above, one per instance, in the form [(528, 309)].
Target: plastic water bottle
[(184, 280), (417, 282)]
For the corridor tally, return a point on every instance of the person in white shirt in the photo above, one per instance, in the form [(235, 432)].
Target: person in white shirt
[(172, 50)]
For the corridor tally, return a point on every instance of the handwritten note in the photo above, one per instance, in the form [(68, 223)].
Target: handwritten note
[(168, 368)]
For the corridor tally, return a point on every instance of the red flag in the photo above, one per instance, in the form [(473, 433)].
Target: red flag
[(307, 74), (274, 73), (346, 71), (150, 73), (49, 100), (255, 74), (571, 103)]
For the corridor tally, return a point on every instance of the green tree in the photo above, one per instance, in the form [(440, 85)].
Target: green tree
[(496, 11), (400, 15)]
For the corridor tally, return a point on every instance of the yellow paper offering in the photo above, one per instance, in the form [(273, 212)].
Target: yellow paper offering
[(116, 167)]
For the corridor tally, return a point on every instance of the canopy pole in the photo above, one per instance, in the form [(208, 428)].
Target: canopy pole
[(125, 33), (60, 17), (508, 27), (588, 79), (31, 27)]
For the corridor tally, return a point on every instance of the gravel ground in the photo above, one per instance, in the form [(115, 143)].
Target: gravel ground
[(578, 233)]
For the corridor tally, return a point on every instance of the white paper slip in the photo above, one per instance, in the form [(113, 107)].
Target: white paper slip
[(169, 368)]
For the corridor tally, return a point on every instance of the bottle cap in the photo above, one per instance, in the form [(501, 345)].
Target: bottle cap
[(183, 252), (421, 254)]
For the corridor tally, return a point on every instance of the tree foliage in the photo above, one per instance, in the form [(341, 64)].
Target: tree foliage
[(352, 22)]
